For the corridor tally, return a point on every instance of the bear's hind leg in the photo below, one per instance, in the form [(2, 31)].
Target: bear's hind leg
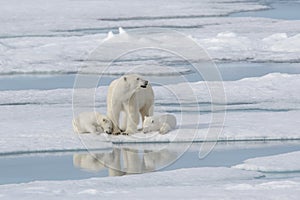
[(90, 128), (165, 128), (114, 116)]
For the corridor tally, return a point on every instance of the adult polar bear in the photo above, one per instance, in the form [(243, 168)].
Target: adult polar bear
[(134, 96)]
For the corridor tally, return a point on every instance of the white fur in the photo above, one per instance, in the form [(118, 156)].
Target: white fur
[(132, 95), (92, 122), (162, 123)]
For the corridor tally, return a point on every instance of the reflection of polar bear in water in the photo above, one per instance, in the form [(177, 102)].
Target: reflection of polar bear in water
[(134, 96), (88, 162), (132, 161), (100, 161), (92, 122), (161, 123)]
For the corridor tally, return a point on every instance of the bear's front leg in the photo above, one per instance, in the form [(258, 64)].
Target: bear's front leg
[(123, 125), (116, 130), (133, 118), (99, 129)]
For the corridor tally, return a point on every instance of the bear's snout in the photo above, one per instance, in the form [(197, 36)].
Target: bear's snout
[(109, 130), (145, 84)]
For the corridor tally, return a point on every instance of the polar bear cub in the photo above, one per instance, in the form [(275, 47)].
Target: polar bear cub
[(162, 123), (92, 122)]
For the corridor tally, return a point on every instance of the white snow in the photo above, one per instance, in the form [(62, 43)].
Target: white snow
[(238, 126), (36, 40), (40, 128), (288, 44), (233, 46), (195, 183), (38, 55), (288, 162), (31, 17), (274, 91), (258, 109), (67, 54)]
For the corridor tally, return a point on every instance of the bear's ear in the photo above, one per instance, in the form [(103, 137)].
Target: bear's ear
[(125, 78)]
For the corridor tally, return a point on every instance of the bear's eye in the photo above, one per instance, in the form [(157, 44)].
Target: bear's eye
[(104, 120), (152, 121), (138, 79)]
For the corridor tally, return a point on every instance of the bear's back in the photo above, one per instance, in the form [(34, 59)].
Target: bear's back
[(169, 119)]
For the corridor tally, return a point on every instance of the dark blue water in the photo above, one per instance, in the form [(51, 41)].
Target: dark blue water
[(19, 169)]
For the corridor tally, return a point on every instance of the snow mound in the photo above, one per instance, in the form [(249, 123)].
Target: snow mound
[(233, 46), (283, 43), (288, 162)]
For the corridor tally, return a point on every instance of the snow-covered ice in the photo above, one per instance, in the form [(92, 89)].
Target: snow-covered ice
[(55, 55), (58, 16), (284, 163), (267, 92), (257, 108), (200, 183), (32, 41)]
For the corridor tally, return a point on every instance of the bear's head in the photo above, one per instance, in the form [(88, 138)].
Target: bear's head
[(134, 81), (150, 124), (106, 124)]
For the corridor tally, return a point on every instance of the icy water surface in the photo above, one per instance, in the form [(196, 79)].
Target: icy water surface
[(228, 71), (81, 165), (287, 10)]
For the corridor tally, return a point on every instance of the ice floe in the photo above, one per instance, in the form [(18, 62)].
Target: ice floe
[(281, 163), (218, 183)]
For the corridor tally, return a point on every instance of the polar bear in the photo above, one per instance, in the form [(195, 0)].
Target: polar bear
[(92, 122), (162, 123), (132, 95)]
